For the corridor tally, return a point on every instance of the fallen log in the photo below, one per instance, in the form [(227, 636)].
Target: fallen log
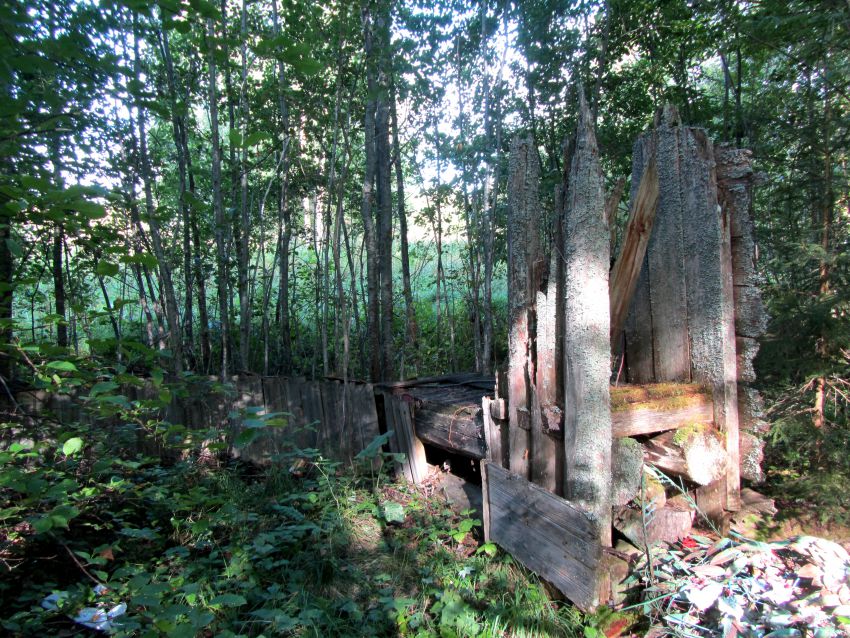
[(695, 453)]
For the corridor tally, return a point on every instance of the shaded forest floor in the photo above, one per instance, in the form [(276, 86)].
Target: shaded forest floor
[(229, 549)]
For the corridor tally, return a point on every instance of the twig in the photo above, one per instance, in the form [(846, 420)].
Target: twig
[(80, 565)]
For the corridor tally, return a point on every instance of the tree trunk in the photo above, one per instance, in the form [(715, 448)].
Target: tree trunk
[(411, 329), (218, 207), (172, 314), (369, 232)]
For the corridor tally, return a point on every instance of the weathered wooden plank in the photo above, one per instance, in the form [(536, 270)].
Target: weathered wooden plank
[(746, 350), (751, 317), (626, 271), (544, 532), (492, 433), (361, 405), (547, 450), (666, 524), (666, 257), (648, 419), (414, 466), (626, 470), (523, 230), (587, 351), (640, 366)]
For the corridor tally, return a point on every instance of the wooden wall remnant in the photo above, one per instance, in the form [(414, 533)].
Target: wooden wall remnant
[(546, 533), (587, 352), (683, 307), (735, 180), (523, 213)]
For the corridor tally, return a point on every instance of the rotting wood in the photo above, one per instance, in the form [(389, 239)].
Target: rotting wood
[(546, 533), (696, 454), (711, 309), (547, 450), (404, 441), (666, 255), (587, 352), (633, 419), (626, 270), (523, 210), (627, 468), (456, 428), (492, 433), (612, 203), (666, 524)]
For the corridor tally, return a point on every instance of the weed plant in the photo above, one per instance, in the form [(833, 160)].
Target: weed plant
[(199, 544)]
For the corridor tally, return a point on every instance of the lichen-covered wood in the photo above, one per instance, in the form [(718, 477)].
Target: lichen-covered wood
[(735, 180), (587, 353), (523, 210)]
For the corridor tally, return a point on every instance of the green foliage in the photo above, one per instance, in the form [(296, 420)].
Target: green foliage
[(195, 543)]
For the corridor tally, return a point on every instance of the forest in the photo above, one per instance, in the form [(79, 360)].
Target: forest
[(193, 191)]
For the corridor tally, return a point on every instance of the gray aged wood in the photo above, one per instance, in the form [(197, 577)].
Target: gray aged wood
[(492, 433), (627, 468), (642, 420), (404, 440), (546, 533), (666, 256), (587, 352), (523, 213), (666, 524), (640, 366)]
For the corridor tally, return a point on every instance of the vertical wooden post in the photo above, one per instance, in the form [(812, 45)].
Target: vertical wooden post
[(523, 209), (587, 353)]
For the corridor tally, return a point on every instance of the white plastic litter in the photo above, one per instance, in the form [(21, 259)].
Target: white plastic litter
[(99, 618)]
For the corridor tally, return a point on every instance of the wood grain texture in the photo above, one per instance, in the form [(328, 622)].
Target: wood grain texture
[(666, 257), (523, 230), (626, 270), (587, 352), (546, 533), (638, 420), (699, 457)]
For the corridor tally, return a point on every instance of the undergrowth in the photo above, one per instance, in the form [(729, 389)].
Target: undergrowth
[(198, 544)]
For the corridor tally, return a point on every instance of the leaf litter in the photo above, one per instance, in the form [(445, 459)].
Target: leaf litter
[(731, 587)]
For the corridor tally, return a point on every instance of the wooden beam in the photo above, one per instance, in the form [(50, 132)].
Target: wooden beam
[(654, 417), (523, 211), (587, 352), (624, 275)]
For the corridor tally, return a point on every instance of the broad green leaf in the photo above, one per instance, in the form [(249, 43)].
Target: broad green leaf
[(62, 366), (247, 436), (42, 525), (72, 446)]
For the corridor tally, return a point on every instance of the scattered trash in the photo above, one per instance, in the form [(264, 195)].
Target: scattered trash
[(99, 618), (732, 588)]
